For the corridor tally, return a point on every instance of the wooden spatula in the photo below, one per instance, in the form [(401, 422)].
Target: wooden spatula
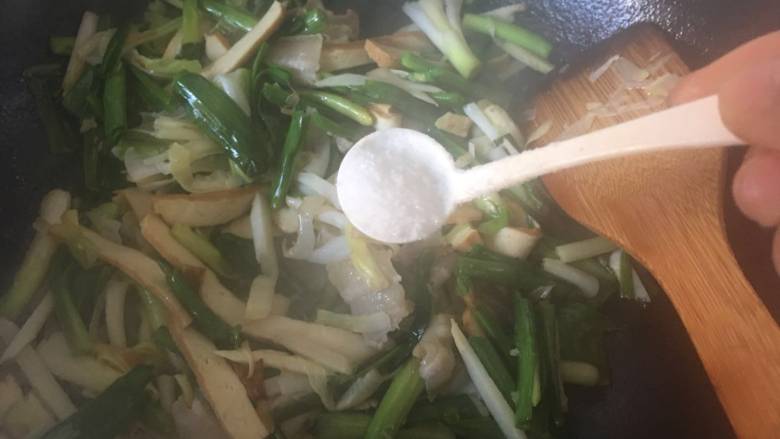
[(666, 210)]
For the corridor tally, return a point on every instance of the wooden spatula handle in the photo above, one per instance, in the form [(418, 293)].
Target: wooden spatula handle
[(693, 125), (737, 339), (667, 211)]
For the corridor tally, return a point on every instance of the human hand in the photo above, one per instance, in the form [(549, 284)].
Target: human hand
[(747, 81)]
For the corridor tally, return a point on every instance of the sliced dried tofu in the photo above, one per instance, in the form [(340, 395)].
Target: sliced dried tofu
[(382, 55), (246, 46), (221, 386), (207, 209), (10, 394), (158, 235), (277, 360), (227, 306), (386, 51), (241, 227), (409, 40), (464, 238), (322, 355), (140, 202), (345, 26), (456, 124), (385, 116), (280, 305), (216, 46), (28, 418), (84, 371), (465, 213), (224, 304), (335, 348), (221, 300), (142, 269), (341, 56), (174, 46)]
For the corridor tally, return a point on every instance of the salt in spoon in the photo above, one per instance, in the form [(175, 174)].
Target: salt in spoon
[(400, 185)]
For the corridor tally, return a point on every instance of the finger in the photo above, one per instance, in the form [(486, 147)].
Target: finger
[(757, 187), (750, 104), (776, 251), (707, 81)]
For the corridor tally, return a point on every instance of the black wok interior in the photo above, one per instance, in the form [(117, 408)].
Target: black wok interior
[(658, 388)]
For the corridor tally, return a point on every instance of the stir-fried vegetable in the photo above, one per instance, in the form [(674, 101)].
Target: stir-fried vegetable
[(341, 105), (488, 390), (292, 144), (28, 417), (36, 261), (527, 361), (203, 317), (441, 22), (84, 371), (137, 266), (208, 283), (74, 328), (492, 328), (431, 72), (221, 386), (199, 246), (397, 402), (552, 359), (235, 17), (76, 64), (509, 32), (242, 50), (494, 365), (191, 38), (122, 402), (223, 119), (203, 210), (31, 327), (355, 425), (115, 104), (38, 375)]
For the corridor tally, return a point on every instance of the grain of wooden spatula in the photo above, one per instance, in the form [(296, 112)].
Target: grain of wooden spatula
[(666, 209)]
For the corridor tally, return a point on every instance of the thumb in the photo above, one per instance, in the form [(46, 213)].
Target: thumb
[(750, 107), (750, 104), (708, 80)]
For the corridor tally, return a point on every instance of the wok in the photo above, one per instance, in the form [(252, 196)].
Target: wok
[(658, 387)]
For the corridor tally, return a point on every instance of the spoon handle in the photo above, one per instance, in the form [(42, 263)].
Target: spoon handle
[(697, 124)]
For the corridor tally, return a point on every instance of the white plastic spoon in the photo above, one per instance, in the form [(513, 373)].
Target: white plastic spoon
[(400, 185)]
